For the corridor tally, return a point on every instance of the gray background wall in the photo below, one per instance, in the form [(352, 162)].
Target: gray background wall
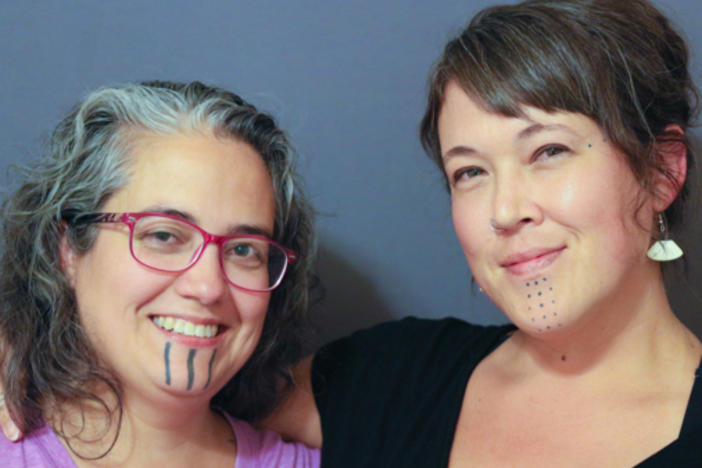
[(345, 78)]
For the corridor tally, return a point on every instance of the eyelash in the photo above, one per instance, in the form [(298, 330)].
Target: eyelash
[(560, 150), (459, 173)]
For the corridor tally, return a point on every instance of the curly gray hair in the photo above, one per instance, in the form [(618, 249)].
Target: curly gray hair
[(46, 357)]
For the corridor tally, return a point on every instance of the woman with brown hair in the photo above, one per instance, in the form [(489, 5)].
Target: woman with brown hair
[(560, 127)]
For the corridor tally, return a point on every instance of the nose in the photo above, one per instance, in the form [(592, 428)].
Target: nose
[(514, 204), (204, 281)]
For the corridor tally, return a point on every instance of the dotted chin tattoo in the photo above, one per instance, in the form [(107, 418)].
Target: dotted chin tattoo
[(541, 304)]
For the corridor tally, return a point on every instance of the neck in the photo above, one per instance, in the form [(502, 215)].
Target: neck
[(631, 334), (180, 431)]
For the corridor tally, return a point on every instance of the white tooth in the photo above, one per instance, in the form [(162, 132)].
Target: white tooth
[(179, 326), (184, 327)]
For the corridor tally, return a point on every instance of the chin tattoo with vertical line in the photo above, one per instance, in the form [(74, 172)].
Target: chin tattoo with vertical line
[(541, 304), (209, 368), (167, 362), (191, 371)]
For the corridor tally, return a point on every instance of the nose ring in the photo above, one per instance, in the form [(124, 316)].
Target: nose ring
[(493, 226)]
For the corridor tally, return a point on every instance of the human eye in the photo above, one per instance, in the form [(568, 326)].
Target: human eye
[(550, 151), (246, 252), (162, 234), (466, 174), (241, 250)]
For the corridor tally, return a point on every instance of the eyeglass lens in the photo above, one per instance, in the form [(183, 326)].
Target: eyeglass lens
[(171, 245)]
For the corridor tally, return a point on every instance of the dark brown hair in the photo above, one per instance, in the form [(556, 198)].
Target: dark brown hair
[(618, 62)]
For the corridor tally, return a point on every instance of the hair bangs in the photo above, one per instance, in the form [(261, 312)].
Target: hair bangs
[(506, 65)]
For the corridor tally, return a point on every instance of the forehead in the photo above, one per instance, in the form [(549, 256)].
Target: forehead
[(463, 119), (214, 179)]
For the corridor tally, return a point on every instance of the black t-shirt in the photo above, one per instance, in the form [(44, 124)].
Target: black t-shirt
[(390, 396)]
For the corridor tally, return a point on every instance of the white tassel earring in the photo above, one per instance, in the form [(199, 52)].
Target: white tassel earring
[(665, 249)]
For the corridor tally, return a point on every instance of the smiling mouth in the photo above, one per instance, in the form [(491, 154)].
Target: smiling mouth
[(186, 328), (533, 262)]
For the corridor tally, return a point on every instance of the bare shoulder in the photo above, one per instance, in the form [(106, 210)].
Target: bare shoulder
[(297, 418)]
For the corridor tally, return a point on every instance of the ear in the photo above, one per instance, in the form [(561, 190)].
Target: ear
[(672, 157), (67, 255)]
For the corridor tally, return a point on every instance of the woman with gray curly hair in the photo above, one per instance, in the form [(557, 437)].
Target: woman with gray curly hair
[(155, 277)]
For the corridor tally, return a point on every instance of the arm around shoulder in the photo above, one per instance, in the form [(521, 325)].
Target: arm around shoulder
[(297, 417)]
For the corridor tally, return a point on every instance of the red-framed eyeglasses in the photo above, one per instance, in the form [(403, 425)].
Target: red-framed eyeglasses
[(171, 244)]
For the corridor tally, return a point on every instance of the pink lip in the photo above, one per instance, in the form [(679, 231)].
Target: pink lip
[(192, 341), (531, 261)]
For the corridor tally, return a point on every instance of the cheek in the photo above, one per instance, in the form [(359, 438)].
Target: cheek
[(472, 229), (580, 199), (616, 216), (469, 226), (474, 236), (252, 307), (111, 289)]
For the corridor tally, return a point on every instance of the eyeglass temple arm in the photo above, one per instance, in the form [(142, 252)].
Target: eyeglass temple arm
[(74, 218)]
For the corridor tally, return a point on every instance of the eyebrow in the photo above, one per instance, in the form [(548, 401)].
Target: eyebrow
[(528, 132), (538, 128), (240, 228), (458, 151)]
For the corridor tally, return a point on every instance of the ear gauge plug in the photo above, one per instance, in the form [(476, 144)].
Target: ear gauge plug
[(664, 250)]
